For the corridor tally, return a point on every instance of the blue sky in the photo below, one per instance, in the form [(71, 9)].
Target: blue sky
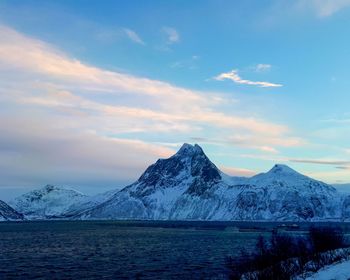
[(92, 93)]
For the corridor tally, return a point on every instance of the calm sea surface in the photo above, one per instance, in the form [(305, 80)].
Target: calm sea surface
[(122, 249)]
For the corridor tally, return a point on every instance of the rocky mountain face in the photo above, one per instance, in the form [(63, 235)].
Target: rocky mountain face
[(7, 213), (153, 196), (188, 186)]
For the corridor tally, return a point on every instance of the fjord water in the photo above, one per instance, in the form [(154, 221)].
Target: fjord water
[(124, 249), (118, 249)]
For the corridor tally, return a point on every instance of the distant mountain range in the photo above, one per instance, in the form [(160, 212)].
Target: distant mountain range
[(188, 186)]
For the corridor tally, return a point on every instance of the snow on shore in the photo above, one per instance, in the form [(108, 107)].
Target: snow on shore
[(338, 271)]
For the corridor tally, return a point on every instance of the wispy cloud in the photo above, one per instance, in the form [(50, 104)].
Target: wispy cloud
[(133, 36), (233, 76), (340, 165), (337, 121), (172, 34), (343, 167), (324, 8), (266, 145), (262, 67), (43, 151), (234, 171), (322, 161), (190, 63)]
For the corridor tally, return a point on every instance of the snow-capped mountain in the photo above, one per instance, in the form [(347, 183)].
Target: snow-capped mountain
[(188, 186), (7, 213), (56, 202), (49, 201), (284, 194)]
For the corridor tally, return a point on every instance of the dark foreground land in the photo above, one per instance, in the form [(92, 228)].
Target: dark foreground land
[(130, 249)]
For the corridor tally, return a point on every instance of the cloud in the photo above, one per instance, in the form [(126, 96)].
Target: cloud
[(262, 67), (324, 8), (172, 34), (343, 167), (190, 63), (338, 121), (233, 76), (50, 100), (27, 56), (263, 144), (330, 177), (321, 161), (43, 151), (233, 171), (133, 36)]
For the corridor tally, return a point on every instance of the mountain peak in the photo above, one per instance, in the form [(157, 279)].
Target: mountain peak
[(189, 162), (50, 188), (189, 150), (282, 169)]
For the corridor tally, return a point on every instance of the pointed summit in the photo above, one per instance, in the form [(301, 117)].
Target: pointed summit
[(188, 163), (282, 169), (189, 150), (49, 188)]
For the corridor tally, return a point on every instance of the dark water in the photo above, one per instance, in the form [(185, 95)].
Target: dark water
[(123, 249)]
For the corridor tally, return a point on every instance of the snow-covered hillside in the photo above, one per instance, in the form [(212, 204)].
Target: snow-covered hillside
[(56, 202), (46, 202), (7, 213), (86, 203), (337, 271), (189, 186)]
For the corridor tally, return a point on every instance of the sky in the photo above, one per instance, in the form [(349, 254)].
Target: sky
[(93, 92)]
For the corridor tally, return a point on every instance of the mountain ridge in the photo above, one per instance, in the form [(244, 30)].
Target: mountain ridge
[(188, 186)]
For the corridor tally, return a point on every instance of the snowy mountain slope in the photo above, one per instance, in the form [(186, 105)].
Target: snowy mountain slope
[(189, 186), (86, 203), (7, 213), (337, 271), (46, 202)]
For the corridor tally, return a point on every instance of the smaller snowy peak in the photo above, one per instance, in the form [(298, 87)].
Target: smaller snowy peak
[(278, 172), (49, 189), (282, 169), (283, 177), (46, 202)]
